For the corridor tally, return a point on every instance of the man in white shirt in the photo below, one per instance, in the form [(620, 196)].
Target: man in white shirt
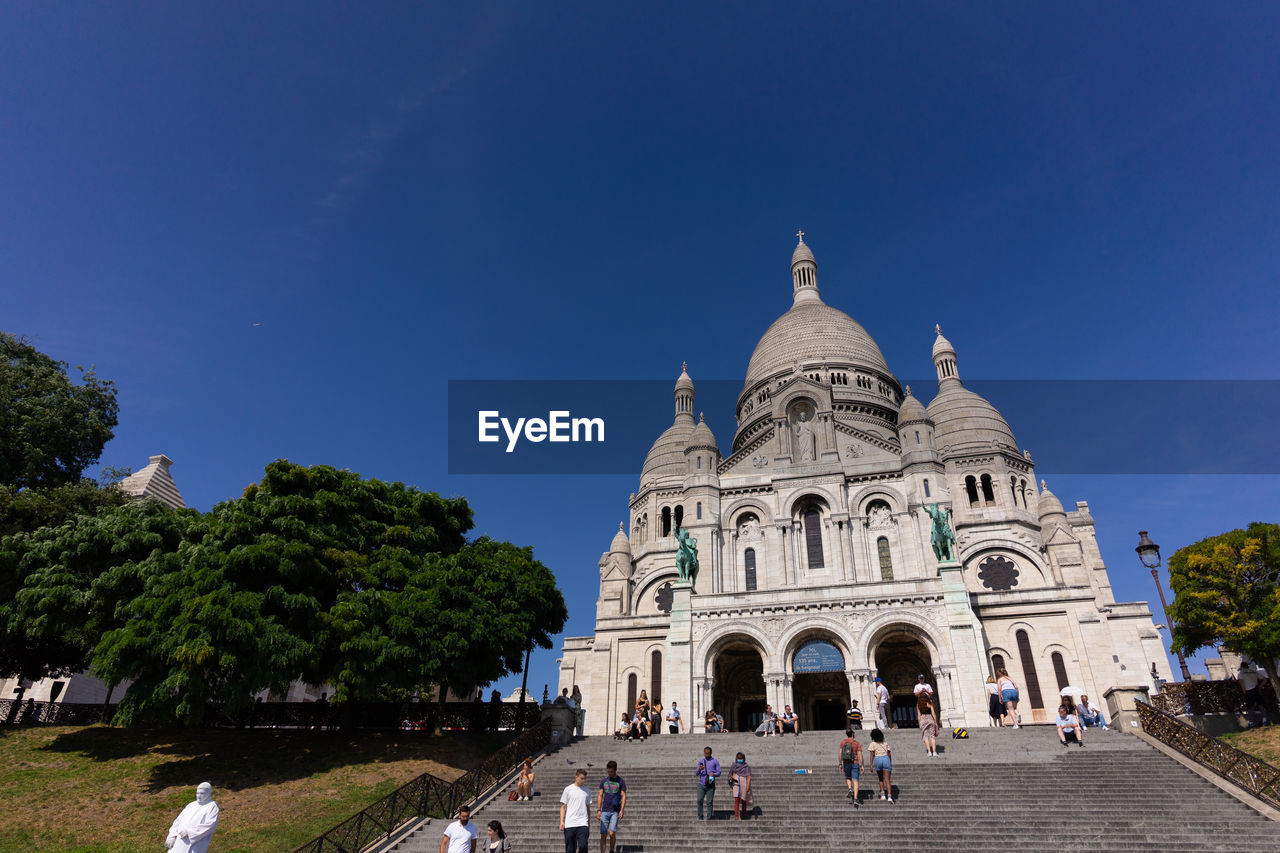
[(1089, 715), (1068, 727), (882, 704), (674, 723), (575, 801), (923, 686), (460, 836)]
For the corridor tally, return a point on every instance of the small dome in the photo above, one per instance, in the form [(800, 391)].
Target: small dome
[(620, 544), (1049, 504), (911, 410), (802, 252), (961, 417), (942, 345), (684, 383), (702, 437), (665, 460)]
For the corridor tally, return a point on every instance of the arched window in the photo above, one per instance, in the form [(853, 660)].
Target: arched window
[(886, 559), (1029, 670), (997, 664), (813, 538), (1059, 670), (917, 436), (1023, 491), (666, 521), (749, 560), (699, 510), (971, 489), (631, 693), (988, 493), (679, 516), (655, 677), (1013, 489), (699, 463), (926, 488)]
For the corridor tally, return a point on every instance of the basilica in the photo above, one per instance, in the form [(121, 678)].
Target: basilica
[(815, 571)]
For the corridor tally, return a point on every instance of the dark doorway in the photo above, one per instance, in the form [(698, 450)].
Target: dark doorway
[(828, 715), (739, 687), (900, 658)]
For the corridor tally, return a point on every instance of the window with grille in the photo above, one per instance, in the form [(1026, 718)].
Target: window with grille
[(813, 538), (886, 559), (1029, 670), (749, 560)]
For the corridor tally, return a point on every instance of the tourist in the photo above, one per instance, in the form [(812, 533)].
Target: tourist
[(708, 773), (579, 714), (853, 716), (655, 719), (461, 835), (524, 782), (790, 722), (1089, 715), (562, 699), (575, 822), (882, 763), (995, 707), (922, 686), (1009, 696), (624, 728), (613, 802), (193, 828), (769, 725), (719, 723), (740, 781), (674, 723), (928, 722), (1069, 730), (712, 721), (498, 842), (642, 705), (640, 725), (851, 763), (882, 704)]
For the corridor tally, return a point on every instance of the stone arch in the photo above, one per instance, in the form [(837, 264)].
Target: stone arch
[(820, 696), (726, 635), (735, 663), (858, 503), (642, 600), (976, 552), (810, 628), (881, 626), (742, 505), (808, 493)]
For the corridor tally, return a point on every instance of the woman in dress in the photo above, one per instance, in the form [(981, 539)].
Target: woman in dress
[(642, 714), (995, 707), (740, 780), (1009, 696), (524, 782), (498, 842), (882, 763), (655, 719), (928, 723)]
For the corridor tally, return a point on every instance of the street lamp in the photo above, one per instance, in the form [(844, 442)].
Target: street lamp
[(1149, 554)]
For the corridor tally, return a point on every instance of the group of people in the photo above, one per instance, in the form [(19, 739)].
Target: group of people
[(881, 763), (786, 723), (462, 835), (1003, 695), (647, 719)]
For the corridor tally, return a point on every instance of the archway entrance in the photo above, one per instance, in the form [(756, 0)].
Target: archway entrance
[(819, 688), (739, 687), (900, 657)]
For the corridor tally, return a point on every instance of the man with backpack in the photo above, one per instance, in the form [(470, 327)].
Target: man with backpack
[(851, 763)]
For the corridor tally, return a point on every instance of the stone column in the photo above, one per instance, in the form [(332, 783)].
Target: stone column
[(733, 561), (966, 645), (782, 549), (1122, 710), (677, 664)]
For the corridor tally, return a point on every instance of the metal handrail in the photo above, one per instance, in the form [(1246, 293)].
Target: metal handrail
[(1249, 772), (427, 796)]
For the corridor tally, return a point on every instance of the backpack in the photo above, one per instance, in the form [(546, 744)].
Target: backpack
[(960, 734), (846, 752)]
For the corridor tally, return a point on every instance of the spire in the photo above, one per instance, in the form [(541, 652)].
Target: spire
[(944, 360), (684, 394), (804, 273)]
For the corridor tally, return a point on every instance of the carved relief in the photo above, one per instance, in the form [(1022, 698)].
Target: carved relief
[(749, 528), (772, 627), (879, 516), (854, 451), (760, 461)]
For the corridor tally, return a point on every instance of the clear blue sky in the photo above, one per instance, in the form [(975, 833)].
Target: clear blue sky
[(401, 196)]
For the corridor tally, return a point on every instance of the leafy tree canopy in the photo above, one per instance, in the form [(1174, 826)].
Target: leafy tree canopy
[(50, 428), (1227, 591), (318, 573)]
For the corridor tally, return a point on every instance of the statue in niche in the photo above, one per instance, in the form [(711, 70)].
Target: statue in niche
[(806, 443), (749, 528), (687, 558), (880, 516), (942, 538)]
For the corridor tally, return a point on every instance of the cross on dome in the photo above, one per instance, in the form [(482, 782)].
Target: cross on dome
[(800, 234)]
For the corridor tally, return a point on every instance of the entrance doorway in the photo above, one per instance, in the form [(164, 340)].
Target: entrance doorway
[(739, 687), (819, 688), (900, 658)]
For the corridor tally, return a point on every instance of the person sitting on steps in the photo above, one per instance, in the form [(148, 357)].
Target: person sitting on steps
[(1089, 715), (1069, 730), (790, 722)]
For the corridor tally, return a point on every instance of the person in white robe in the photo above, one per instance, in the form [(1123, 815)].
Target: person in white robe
[(194, 827)]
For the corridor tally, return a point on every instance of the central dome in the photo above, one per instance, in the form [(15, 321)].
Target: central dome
[(813, 331)]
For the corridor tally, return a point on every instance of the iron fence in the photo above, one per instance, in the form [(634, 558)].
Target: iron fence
[(1253, 774), (1201, 697), (427, 796)]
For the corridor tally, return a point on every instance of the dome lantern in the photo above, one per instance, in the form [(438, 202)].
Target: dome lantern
[(944, 360), (684, 394), (804, 273)]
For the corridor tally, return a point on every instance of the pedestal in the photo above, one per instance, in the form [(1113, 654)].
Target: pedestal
[(966, 643), (677, 665), (1122, 708)]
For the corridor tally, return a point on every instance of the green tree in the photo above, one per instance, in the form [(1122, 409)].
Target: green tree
[(320, 574), (50, 428), (1227, 591), (63, 584)]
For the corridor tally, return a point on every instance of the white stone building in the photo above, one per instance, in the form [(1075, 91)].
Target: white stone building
[(816, 569)]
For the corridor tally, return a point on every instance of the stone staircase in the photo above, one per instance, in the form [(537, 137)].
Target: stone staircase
[(1000, 790)]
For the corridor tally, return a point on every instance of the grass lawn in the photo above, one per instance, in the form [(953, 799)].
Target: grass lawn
[(1264, 742), (97, 789)]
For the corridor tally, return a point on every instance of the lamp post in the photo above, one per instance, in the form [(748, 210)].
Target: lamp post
[(1149, 554)]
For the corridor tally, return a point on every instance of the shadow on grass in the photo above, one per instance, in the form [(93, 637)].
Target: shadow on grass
[(246, 758)]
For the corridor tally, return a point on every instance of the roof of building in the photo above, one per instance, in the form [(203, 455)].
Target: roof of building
[(155, 481)]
